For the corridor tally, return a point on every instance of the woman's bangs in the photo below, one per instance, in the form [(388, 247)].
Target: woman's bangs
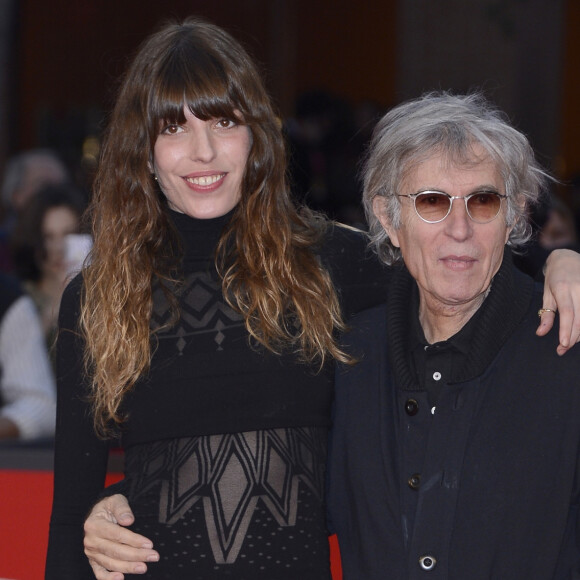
[(165, 105), (212, 106), (207, 94)]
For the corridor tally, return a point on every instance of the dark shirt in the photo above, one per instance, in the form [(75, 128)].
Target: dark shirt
[(498, 494), (434, 366)]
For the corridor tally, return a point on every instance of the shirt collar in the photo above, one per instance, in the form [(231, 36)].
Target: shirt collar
[(483, 335)]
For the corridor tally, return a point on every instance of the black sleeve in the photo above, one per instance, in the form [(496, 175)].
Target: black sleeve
[(531, 259), (359, 278), (80, 461)]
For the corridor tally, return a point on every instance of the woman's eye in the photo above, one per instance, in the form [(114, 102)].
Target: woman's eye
[(171, 129), (225, 123)]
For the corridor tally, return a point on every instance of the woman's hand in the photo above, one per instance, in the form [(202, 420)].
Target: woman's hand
[(111, 549), (562, 293)]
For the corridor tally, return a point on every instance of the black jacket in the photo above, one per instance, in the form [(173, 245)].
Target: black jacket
[(500, 486)]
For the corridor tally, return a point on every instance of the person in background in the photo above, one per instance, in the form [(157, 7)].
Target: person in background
[(553, 227), (24, 175), (559, 229), (39, 248), (27, 390), (455, 440), (28, 172)]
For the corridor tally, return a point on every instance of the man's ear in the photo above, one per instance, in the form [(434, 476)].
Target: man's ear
[(379, 209)]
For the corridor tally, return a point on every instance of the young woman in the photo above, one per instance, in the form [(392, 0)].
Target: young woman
[(202, 331)]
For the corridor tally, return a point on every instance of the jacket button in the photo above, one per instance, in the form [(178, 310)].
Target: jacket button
[(427, 562), (414, 481), (411, 407)]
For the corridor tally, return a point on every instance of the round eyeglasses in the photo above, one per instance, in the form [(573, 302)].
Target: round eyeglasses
[(434, 206)]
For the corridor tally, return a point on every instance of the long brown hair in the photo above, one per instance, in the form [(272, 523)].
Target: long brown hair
[(264, 257)]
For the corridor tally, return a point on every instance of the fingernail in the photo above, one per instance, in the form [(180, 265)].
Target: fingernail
[(153, 558), (140, 569), (147, 545)]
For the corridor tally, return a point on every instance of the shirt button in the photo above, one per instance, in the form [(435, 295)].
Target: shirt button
[(414, 481), (411, 407), (427, 562), (437, 376)]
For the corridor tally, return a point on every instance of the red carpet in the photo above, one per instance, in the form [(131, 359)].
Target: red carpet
[(25, 500)]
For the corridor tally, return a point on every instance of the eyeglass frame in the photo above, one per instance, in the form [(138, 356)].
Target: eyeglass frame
[(451, 198)]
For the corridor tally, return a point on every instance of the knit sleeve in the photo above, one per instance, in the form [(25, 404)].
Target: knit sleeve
[(80, 456)]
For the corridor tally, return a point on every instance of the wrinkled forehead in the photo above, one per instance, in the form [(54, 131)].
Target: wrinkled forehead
[(475, 156)]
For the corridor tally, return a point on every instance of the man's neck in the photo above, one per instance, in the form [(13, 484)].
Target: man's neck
[(441, 321)]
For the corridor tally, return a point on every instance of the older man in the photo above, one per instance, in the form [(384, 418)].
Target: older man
[(456, 437)]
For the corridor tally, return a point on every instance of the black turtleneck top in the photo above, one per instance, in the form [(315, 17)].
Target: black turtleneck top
[(225, 443)]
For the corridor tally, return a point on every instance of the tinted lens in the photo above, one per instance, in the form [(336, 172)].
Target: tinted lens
[(483, 206), (432, 206)]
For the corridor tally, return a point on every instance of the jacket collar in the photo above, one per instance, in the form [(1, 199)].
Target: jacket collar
[(503, 309)]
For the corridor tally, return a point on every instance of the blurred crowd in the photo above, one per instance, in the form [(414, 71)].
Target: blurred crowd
[(40, 229), (43, 241)]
